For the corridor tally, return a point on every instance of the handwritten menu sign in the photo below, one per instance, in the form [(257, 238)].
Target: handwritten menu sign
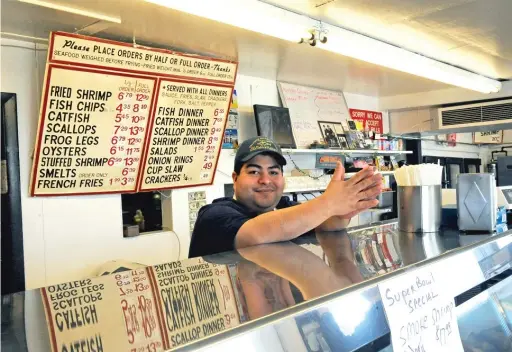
[(420, 314), (372, 120), (186, 134), (309, 105), (196, 299), (117, 118), (488, 137)]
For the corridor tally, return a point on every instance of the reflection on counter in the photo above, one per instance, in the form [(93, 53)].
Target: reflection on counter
[(492, 331), (171, 305)]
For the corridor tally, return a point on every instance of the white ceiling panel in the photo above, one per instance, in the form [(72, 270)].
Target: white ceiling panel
[(479, 28), (35, 21), (423, 26)]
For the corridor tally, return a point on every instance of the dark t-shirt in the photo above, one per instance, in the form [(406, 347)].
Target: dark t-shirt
[(218, 223)]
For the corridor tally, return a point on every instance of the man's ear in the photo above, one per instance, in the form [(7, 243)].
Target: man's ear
[(234, 176)]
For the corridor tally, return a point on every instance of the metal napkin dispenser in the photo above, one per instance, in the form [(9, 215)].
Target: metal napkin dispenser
[(476, 202)]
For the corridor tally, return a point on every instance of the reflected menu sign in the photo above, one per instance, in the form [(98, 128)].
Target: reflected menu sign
[(110, 313), (116, 118), (196, 299), (148, 309)]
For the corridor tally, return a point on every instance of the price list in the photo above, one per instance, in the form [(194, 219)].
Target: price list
[(139, 308), (118, 119), (92, 132), (196, 299), (186, 134)]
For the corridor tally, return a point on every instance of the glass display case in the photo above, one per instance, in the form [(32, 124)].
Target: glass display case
[(318, 293)]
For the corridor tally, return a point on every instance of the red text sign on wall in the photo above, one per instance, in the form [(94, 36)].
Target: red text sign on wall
[(372, 120), (97, 123)]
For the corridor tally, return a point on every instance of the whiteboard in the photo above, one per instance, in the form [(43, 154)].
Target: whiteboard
[(309, 105)]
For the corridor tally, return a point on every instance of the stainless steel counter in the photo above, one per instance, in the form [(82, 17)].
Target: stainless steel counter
[(317, 293)]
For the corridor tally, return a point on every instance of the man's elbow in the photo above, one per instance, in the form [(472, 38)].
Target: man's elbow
[(247, 236)]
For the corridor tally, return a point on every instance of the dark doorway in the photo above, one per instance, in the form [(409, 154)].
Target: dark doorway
[(13, 266)]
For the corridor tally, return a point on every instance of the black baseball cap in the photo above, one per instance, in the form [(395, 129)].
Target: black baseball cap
[(255, 146)]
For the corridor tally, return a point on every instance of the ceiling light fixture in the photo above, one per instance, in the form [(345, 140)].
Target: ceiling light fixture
[(270, 20), (252, 15), (367, 49), (73, 10)]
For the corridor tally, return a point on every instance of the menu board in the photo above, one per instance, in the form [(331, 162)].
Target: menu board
[(117, 118), (87, 51), (91, 132), (147, 309), (196, 298), (186, 135)]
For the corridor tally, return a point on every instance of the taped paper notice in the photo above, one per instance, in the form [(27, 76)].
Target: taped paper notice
[(421, 315)]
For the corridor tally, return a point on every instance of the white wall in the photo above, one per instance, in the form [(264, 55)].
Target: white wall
[(66, 238)]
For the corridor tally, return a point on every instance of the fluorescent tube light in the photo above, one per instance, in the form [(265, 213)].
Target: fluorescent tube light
[(69, 9), (9, 35), (263, 18), (363, 48), (252, 15)]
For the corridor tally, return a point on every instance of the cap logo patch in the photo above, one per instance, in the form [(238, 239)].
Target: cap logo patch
[(262, 143)]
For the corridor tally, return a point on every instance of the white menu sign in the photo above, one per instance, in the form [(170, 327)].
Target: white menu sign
[(186, 135), (488, 137), (421, 315), (117, 118), (91, 132), (92, 52)]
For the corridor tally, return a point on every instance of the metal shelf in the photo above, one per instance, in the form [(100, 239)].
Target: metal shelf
[(322, 187), (346, 151)]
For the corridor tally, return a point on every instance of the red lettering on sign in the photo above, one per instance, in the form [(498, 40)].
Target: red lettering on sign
[(148, 318), (372, 120), (130, 319)]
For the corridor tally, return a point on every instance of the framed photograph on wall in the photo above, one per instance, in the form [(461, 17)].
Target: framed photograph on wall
[(330, 131), (333, 134)]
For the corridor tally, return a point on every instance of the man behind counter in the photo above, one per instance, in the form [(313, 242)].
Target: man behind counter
[(259, 214)]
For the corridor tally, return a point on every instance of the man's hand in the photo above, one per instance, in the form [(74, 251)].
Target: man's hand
[(340, 199), (346, 199)]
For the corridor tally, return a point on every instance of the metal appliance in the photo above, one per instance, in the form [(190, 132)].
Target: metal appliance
[(491, 168), (476, 202), (504, 195), (504, 171)]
